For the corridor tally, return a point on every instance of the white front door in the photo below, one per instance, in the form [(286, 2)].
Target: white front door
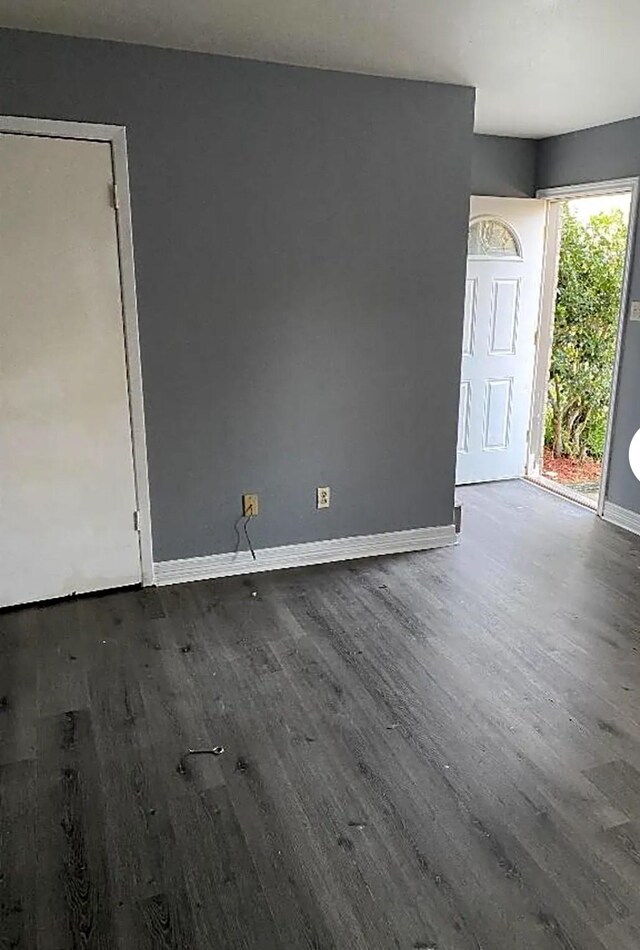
[(67, 491), (504, 271)]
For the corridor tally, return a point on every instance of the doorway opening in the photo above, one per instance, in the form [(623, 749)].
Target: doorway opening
[(584, 292)]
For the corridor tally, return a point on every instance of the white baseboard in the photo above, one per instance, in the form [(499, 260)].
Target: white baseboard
[(621, 517), (299, 555)]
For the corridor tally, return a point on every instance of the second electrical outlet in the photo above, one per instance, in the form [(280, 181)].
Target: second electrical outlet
[(323, 497), (250, 506)]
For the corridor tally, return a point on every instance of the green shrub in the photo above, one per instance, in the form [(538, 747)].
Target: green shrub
[(595, 435), (584, 333)]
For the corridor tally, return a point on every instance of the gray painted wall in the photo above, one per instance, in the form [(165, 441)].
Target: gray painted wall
[(504, 167), (300, 240), (599, 154)]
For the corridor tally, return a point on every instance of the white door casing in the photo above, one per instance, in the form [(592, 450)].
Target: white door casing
[(500, 320), (67, 481), (555, 197)]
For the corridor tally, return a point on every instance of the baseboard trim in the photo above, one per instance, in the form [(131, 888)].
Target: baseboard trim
[(621, 517), (299, 555)]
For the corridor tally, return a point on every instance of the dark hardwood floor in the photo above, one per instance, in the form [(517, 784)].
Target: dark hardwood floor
[(437, 750)]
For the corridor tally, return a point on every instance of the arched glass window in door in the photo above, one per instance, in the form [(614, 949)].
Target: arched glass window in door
[(492, 238)]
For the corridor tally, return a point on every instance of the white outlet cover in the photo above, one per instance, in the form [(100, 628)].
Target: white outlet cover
[(635, 310), (323, 497)]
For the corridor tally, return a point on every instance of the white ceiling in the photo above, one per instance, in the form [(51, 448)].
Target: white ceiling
[(540, 66)]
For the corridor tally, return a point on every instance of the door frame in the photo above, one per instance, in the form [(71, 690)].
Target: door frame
[(544, 335), (115, 136)]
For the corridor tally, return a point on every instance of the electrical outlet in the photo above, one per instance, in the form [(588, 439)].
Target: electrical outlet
[(323, 497), (250, 506)]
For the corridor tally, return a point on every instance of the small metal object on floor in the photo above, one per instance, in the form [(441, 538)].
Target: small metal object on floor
[(181, 767), (217, 750)]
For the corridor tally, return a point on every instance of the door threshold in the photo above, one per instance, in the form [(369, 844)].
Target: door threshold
[(563, 491)]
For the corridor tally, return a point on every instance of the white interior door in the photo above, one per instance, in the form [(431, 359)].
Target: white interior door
[(67, 490), (504, 269)]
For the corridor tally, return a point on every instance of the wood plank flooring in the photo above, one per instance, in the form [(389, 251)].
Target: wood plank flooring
[(437, 750)]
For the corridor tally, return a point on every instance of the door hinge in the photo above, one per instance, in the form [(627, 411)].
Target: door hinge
[(136, 521), (114, 196)]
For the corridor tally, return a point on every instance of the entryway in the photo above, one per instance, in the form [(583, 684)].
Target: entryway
[(74, 507), (579, 340), (515, 370)]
